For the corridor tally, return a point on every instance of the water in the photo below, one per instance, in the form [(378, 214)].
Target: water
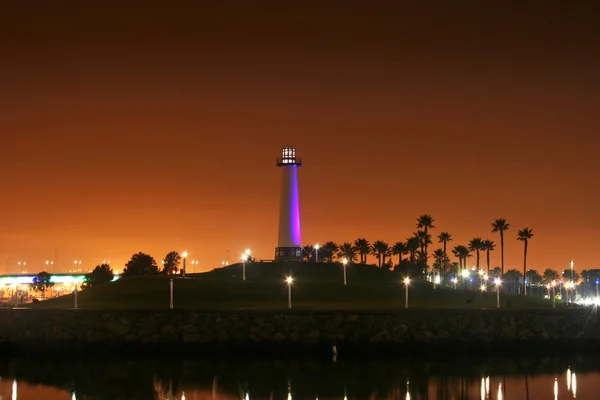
[(494, 379)]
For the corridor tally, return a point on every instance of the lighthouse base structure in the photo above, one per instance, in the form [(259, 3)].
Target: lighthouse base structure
[(288, 254)]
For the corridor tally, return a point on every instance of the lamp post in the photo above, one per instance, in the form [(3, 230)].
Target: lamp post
[(455, 281), (345, 262), (497, 282), (289, 280), (75, 299), (194, 263), (22, 264), (596, 289), (548, 287), (77, 266), (465, 275), (171, 293), (406, 283), (572, 273), (553, 294), (244, 258), (184, 255), (317, 253)]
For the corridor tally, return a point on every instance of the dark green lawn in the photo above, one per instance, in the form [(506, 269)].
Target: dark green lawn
[(316, 286)]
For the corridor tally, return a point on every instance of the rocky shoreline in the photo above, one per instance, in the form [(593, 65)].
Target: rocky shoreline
[(352, 332)]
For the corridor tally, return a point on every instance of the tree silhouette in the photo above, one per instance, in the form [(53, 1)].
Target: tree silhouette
[(425, 222), (347, 251), (100, 274), (380, 249), (413, 245), (488, 246), (441, 262), (364, 248), (524, 235), (171, 263), (307, 253), (550, 275), (41, 282), (399, 249), (476, 245), (424, 239), (500, 225), (567, 274), (444, 238), (533, 277), (513, 276), (328, 251), (140, 264)]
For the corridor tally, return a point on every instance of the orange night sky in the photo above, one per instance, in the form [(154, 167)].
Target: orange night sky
[(152, 129)]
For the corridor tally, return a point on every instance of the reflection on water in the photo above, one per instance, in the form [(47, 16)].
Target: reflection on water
[(299, 380)]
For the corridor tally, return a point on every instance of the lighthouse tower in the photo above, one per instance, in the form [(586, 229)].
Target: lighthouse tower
[(288, 246)]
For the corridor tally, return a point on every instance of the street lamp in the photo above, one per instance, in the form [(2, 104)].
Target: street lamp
[(316, 252), (572, 265), (483, 288), (465, 275), (596, 289), (406, 283), (194, 263), (77, 265), (184, 255), (345, 262), (455, 281), (289, 280), (244, 259), (22, 264), (497, 282)]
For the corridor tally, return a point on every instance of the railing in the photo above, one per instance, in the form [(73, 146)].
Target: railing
[(289, 160)]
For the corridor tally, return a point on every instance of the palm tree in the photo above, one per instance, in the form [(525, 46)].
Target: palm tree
[(524, 235), (424, 240), (457, 254), (328, 251), (550, 275), (347, 251), (363, 247), (307, 253), (462, 253), (425, 222), (413, 245), (533, 276), (441, 262), (496, 272), (399, 249), (476, 245), (380, 249), (444, 238), (488, 246), (513, 276), (500, 225)]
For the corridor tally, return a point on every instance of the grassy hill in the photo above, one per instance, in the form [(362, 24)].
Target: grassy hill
[(316, 286)]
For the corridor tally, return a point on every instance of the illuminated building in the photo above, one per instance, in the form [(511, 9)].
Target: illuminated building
[(288, 245)]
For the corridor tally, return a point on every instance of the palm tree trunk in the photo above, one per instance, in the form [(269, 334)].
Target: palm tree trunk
[(399, 258), (488, 262), (477, 261), (525, 270), (502, 250), (379, 255)]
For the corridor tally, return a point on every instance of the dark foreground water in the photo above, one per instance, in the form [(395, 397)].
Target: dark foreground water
[(197, 379)]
